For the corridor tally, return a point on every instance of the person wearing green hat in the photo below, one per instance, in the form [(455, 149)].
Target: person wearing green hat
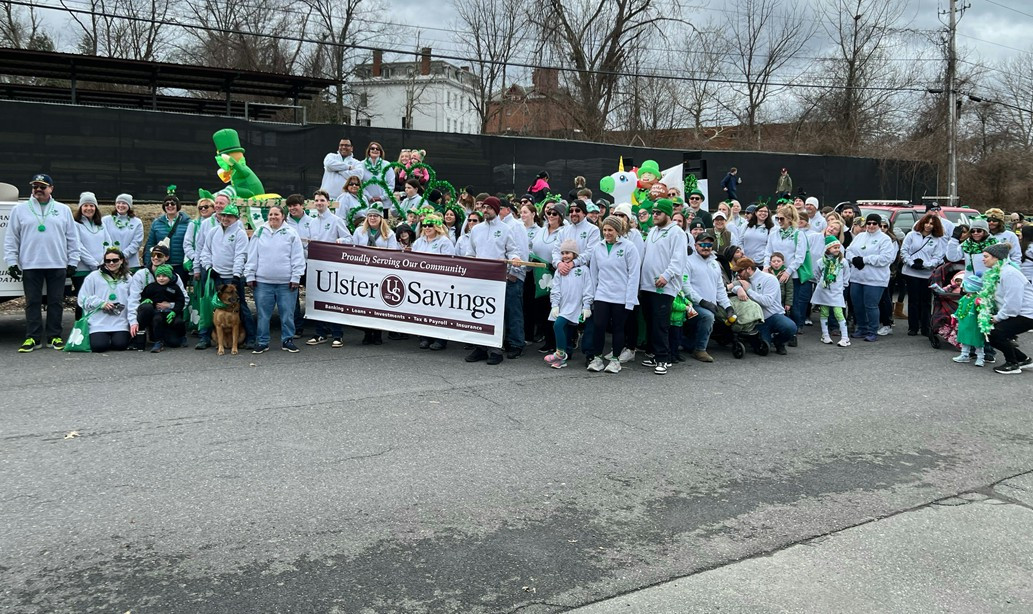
[(223, 257), (141, 279), (104, 295), (162, 304), (833, 276), (663, 267), (696, 199)]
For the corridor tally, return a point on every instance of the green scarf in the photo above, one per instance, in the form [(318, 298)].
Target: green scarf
[(785, 234), (832, 265), (971, 247)]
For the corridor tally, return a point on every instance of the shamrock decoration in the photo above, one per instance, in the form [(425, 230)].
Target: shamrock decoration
[(546, 281), (76, 337)]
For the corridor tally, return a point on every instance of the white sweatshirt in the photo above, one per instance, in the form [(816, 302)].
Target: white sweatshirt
[(878, 252), (930, 250), (225, 250), (441, 245), (96, 290), (275, 256), (128, 233), (615, 272), (572, 293), (328, 227), (138, 282), (92, 241), (665, 255), (55, 247)]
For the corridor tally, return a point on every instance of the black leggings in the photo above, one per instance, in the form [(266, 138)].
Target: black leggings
[(604, 314), (109, 342), (1004, 337), (919, 303)]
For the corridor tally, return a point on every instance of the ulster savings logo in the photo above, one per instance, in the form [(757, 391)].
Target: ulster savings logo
[(392, 291)]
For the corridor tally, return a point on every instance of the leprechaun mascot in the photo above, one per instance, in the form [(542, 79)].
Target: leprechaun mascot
[(233, 169), (648, 174)]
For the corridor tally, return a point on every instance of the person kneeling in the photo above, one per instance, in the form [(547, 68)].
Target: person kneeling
[(161, 310), (764, 289)]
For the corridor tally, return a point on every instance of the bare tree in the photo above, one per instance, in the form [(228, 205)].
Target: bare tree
[(339, 23), (766, 37), (595, 40), (131, 29), (705, 59), (236, 34), (23, 28), (488, 32), (1013, 86)]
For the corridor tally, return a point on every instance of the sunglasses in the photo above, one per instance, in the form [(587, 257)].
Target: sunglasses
[(39, 186), (576, 210), (872, 224), (672, 194), (705, 245), (112, 260), (695, 198), (374, 149), (551, 213), (884, 225), (158, 255), (780, 218), (203, 207)]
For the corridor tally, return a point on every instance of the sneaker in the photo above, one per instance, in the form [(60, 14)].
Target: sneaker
[(982, 363), (288, 346), (794, 342), (298, 335), (780, 349), (29, 345), (808, 322), (203, 344), (261, 349), (424, 344), (614, 366), (495, 359), (317, 340), (884, 330), (596, 365), (962, 358), (1025, 364), (871, 338), (826, 339), (515, 353), (1008, 368), (844, 343), (57, 343), (626, 355), (650, 362), (609, 357), (555, 357), (476, 355), (545, 349), (437, 346), (858, 334), (558, 364), (157, 347), (337, 343), (249, 345), (661, 368)]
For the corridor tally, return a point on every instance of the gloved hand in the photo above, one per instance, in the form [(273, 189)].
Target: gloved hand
[(172, 316), (236, 280), (918, 264), (858, 262), (712, 308), (729, 312), (15, 272), (585, 314), (146, 301), (69, 271), (555, 313), (958, 231)]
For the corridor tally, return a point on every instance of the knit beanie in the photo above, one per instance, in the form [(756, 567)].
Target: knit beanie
[(873, 217), (126, 198), (972, 283), (561, 208), (979, 225), (999, 250), (88, 197), (831, 240), (570, 245), (665, 205), (165, 270), (494, 203), (616, 223)]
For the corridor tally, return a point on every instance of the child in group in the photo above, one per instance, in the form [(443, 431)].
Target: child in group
[(970, 337), (832, 277), (416, 156), (405, 159), (776, 266), (161, 309), (571, 298)]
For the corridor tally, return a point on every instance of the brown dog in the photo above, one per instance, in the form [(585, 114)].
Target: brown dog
[(226, 319)]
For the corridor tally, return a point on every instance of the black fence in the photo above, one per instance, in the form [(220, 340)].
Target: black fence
[(109, 151)]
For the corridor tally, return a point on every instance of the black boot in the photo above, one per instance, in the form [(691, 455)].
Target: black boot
[(367, 337)]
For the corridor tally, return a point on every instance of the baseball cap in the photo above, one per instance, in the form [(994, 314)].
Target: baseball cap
[(41, 178)]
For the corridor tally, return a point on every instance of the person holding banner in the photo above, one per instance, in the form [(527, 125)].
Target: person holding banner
[(326, 226), (463, 242), (275, 264), (374, 232), (433, 240), (615, 268), (349, 199), (494, 240)]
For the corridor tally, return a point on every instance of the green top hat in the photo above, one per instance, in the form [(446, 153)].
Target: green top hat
[(227, 141)]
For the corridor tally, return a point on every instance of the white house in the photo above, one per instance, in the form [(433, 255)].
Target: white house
[(426, 94)]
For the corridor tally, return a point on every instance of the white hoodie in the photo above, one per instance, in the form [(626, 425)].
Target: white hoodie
[(275, 256)]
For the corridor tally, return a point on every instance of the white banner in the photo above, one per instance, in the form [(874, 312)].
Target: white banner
[(441, 297)]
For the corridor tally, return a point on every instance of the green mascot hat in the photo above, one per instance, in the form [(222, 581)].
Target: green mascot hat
[(227, 141), (650, 166)]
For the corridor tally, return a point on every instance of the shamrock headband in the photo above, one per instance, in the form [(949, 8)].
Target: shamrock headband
[(433, 219)]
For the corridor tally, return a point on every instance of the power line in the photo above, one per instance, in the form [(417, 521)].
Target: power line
[(297, 39), (1009, 8)]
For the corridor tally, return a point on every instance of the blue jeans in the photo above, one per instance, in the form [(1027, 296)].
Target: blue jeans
[(865, 300), (698, 329), (561, 327), (514, 316), (801, 307), (777, 329), (280, 296), (250, 330)]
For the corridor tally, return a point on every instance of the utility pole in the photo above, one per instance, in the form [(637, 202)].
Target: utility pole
[(952, 101)]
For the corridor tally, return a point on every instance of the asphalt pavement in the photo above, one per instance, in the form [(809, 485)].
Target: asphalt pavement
[(389, 479)]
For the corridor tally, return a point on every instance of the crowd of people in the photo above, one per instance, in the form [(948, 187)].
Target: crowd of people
[(660, 277)]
